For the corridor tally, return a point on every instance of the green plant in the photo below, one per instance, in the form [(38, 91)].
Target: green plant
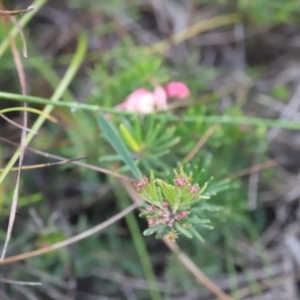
[(198, 136), (173, 209)]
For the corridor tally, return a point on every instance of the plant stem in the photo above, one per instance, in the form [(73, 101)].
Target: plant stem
[(225, 119), (140, 246)]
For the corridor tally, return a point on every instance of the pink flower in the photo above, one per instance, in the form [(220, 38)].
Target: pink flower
[(160, 213), (177, 89), (151, 208), (160, 97), (171, 222), (164, 220), (180, 181), (144, 102), (141, 183), (151, 221), (181, 215), (194, 189), (140, 101), (165, 205), (184, 214)]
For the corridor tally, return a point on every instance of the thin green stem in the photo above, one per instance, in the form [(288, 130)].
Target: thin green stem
[(74, 106), (140, 246), (66, 80), (37, 100)]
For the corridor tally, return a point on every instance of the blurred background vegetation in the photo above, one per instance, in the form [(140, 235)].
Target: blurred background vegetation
[(240, 59)]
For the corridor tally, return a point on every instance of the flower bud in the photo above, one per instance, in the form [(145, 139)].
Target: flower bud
[(141, 183), (194, 189)]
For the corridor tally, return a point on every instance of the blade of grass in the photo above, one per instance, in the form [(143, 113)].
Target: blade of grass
[(29, 109), (115, 141), (66, 80)]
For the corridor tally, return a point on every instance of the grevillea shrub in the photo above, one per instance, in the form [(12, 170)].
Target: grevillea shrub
[(173, 209)]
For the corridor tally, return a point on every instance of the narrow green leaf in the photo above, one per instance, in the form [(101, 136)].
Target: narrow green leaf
[(200, 209), (111, 134), (197, 235), (110, 158), (206, 226), (145, 214), (160, 234), (196, 202), (184, 207), (196, 221), (168, 190), (154, 229), (183, 230), (210, 208), (159, 195), (138, 128), (168, 145), (218, 187), (144, 206), (129, 138)]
